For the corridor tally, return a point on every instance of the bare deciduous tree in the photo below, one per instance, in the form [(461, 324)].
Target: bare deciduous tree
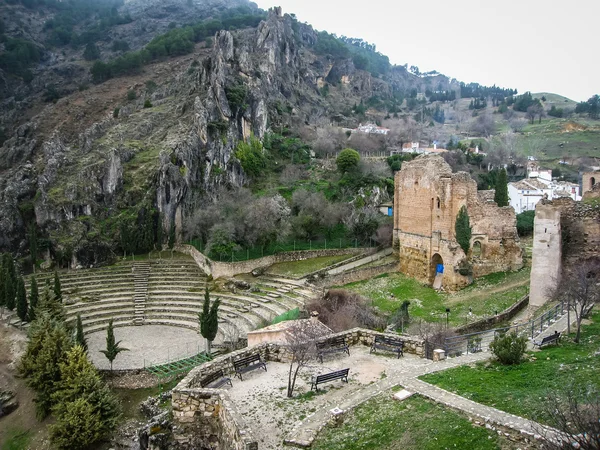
[(579, 288), (300, 339), (484, 125), (575, 412)]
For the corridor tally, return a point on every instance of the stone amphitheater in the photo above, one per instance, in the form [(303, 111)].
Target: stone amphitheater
[(154, 305)]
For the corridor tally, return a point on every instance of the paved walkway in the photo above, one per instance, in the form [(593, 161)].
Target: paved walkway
[(361, 262)]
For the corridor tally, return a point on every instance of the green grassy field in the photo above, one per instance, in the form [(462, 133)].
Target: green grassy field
[(304, 267), (487, 295), (521, 389), (416, 423), (17, 440)]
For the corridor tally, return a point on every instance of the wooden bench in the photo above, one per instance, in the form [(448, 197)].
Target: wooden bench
[(320, 379), (247, 364), (553, 338), (218, 378), (333, 345), (388, 343)]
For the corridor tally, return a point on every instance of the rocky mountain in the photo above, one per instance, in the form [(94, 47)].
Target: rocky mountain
[(146, 146)]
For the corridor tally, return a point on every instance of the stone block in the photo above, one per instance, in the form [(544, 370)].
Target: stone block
[(439, 354)]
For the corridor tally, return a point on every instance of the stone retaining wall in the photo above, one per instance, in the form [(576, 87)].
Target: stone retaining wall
[(358, 274), (486, 324), (208, 415), (227, 270)]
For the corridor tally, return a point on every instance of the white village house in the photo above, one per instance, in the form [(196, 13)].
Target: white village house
[(526, 193)]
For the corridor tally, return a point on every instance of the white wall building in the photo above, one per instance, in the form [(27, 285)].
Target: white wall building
[(525, 194)]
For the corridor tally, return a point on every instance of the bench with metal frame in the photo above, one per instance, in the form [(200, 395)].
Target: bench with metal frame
[(553, 338), (388, 343), (217, 379), (333, 345), (325, 378), (247, 364)]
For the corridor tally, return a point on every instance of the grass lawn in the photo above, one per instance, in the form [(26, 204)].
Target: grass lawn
[(17, 439), (304, 267), (415, 423), (487, 295), (521, 389)]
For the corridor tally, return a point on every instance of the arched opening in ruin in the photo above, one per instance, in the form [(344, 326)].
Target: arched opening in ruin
[(438, 203), (476, 252), (436, 266), (592, 182)]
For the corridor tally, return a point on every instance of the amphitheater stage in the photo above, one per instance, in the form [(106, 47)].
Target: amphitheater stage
[(146, 344)]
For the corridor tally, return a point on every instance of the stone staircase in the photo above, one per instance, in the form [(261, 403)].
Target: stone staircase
[(141, 273)]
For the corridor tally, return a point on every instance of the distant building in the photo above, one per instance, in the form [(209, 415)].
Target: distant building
[(370, 128), (387, 209), (525, 194)]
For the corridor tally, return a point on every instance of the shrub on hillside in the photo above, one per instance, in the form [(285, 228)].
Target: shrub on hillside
[(525, 223), (509, 348), (342, 310)]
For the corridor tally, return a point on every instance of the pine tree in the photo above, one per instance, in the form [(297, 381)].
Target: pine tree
[(501, 193), (112, 347), (57, 289), (33, 300), (80, 384), (79, 336), (463, 230), (9, 292), (21, 300), (208, 319), (49, 342)]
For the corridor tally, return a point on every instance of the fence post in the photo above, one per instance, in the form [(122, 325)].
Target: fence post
[(310, 244), (532, 325), (340, 242), (247, 254), (325, 244)]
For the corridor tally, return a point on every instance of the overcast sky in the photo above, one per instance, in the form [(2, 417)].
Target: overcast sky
[(530, 45)]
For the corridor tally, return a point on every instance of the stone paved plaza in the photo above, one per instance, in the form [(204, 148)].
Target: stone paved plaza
[(147, 344)]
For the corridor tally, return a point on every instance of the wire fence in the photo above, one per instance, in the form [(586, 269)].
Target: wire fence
[(245, 254), (480, 341)]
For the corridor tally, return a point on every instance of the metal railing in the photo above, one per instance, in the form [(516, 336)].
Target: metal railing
[(480, 341)]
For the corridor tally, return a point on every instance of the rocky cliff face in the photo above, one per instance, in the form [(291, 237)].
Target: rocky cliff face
[(78, 167)]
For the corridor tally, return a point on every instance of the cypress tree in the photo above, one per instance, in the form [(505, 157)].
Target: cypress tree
[(79, 337), (208, 318), (57, 289), (33, 246), (21, 300), (2, 287), (463, 230), (9, 266), (33, 300), (112, 347), (501, 193), (9, 292)]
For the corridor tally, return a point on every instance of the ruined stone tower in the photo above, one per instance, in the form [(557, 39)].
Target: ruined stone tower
[(428, 197)]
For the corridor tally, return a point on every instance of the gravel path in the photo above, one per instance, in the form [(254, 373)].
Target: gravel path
[(147, 344)]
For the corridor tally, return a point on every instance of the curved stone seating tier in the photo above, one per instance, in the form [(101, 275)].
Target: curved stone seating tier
[(192, 312), (277, 307), (264, 314), (85, 307)]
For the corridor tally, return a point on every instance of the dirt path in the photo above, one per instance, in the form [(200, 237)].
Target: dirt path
[(484, 292), (12, 345)]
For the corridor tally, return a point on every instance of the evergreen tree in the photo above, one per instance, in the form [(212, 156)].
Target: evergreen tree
[(79, 336), (2, 288), (463, 230), (9, 292), (33, 300), (9, 266), (57, 289), (49, 341), (21, 300), (172, 236), (208, 319), (33, 246), (112, 347), (48, 305), (80, 382), (501, 193), (347, 161)]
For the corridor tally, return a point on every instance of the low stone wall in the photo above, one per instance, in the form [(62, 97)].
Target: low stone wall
[(210, 420), (356, 275), (208, 415), (486, 324), (227, 270)]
